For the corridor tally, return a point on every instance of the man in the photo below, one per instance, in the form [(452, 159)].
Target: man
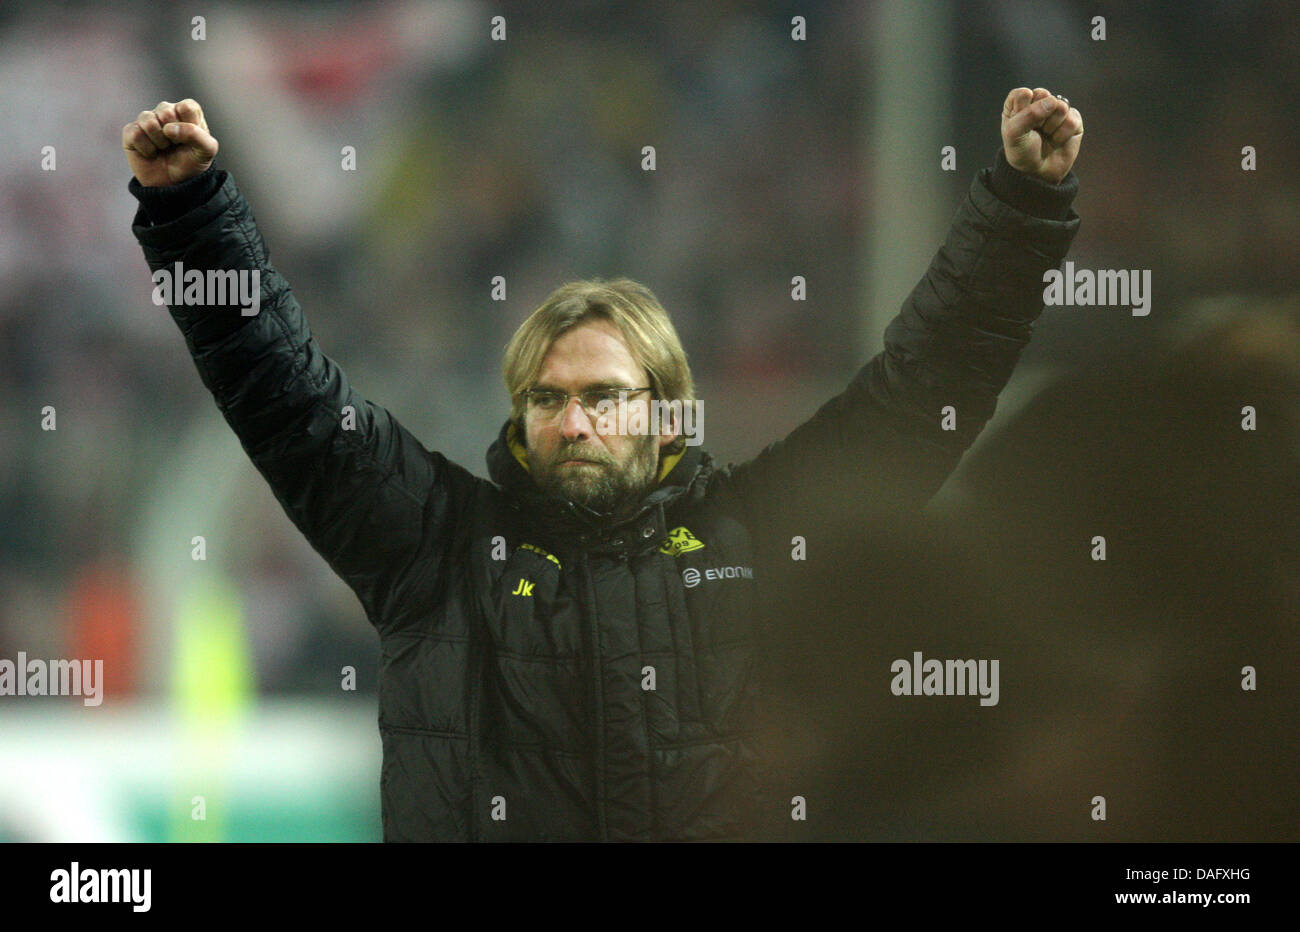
[(570, 650)]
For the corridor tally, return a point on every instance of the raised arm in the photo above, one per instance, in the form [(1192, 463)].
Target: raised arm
[(367, 495), (900, 427)]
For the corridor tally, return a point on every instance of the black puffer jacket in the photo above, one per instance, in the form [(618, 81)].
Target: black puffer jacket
[(544, 679)]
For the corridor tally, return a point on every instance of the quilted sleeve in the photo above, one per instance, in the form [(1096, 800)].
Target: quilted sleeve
[(953, 346), (367, 495)]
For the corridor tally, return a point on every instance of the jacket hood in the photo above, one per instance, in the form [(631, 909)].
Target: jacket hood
[(683, 473)]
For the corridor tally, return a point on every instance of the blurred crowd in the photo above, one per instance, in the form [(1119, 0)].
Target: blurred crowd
[(474, 159), (523, 159)]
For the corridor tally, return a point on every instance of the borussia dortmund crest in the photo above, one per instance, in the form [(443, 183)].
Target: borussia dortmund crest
[(680, 541)]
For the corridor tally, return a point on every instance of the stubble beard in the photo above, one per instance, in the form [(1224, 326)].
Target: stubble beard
[(607, 487)]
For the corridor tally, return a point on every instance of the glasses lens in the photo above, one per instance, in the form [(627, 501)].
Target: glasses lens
[(601, 401), (545, 402)]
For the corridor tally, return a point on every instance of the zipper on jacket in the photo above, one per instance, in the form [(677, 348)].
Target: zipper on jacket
[(599, 699)]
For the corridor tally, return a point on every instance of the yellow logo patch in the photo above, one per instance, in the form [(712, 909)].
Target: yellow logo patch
[(680, 541), (536, 549)]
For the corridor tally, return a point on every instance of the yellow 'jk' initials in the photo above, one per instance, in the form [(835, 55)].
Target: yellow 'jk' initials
[(524, 588)]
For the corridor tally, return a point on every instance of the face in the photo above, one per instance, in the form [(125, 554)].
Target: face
[(616, 470)]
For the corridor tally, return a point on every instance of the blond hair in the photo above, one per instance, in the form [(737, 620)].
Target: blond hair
[(632, 308)]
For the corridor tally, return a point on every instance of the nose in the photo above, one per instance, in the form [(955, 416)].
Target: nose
[(574, 422)]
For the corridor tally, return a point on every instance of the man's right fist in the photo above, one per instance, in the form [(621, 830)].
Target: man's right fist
[(169, 144)]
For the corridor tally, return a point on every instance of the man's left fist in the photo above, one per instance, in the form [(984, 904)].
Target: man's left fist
[(1041, 134)]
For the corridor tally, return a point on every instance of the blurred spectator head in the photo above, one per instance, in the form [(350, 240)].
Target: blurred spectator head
[(1157, 678)]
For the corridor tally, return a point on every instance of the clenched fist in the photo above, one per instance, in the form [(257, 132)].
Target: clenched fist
[(169, 144), (1041, 134)]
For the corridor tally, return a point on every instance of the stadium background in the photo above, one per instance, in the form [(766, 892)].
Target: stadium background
[(522, 159)]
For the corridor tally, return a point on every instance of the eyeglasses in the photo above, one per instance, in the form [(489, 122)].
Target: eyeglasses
[(549, 404)]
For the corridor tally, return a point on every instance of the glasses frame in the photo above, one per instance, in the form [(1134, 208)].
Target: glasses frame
[(592, 412)]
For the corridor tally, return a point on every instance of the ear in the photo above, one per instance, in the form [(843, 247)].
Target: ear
[(669, 428)]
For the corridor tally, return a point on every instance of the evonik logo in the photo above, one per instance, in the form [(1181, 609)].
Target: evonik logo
[(691, 577)]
